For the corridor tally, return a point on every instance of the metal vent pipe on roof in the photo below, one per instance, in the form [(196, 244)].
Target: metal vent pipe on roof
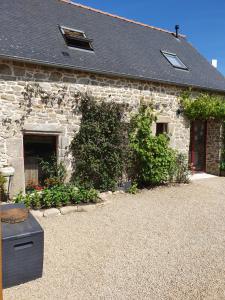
[(177, 27)]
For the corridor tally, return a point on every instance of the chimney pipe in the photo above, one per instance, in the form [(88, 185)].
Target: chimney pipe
[(177, 27), (214, 63)]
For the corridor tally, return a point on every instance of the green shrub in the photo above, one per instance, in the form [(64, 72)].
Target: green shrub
[(2, 183), (31, 200), (2, 187), (154, 159), (181, 173), (53, 172), (57, 196), (133, 189), (54, 197), (98, 148), (222, 165), (86, 196)]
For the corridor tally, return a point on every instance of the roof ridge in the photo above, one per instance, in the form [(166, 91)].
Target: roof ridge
[(118, 17)]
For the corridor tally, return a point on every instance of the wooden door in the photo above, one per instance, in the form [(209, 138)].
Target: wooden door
[(36, 149), (31, 171)]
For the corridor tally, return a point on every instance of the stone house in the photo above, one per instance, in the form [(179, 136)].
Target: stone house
[(62, 46)]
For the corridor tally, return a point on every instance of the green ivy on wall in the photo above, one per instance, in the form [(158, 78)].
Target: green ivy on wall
[(99, 148), (205, 106), (154, 161)]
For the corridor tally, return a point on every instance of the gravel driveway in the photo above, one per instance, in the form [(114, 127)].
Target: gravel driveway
[(167, 243)]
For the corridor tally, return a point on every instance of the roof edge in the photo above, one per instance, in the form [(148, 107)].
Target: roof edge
[(110, 74), (119, 17)]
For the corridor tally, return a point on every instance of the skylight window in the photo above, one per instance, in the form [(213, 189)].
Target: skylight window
[(76, 39), (174, 60)]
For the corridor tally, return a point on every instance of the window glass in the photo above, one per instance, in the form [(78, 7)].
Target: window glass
[(174, 60), (161, 128), (76, 39)]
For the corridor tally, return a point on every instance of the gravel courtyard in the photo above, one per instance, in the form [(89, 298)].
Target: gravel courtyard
[(166, 243)]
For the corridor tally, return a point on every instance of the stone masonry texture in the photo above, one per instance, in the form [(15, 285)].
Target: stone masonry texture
[(213, 146), (61, 121)]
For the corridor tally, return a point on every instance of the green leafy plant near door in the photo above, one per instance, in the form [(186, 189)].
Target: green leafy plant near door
[(2, 187), (154, 161), (57, 196), (53, 171), (204, 106), (55, 192)]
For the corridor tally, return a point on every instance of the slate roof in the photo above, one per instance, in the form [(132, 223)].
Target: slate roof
[(29, 31)]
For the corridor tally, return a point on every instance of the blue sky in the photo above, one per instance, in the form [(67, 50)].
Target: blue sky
[(203, 21)]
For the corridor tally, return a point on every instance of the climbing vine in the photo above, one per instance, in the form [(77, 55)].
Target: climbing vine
[(203, 107), (32, 91), (62, 98), (99, 150), (154, 161)]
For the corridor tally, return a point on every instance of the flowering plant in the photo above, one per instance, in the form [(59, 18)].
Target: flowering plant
[(33, 187)]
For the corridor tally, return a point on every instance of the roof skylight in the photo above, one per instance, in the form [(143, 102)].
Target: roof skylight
[(174, 60), (76, 39)]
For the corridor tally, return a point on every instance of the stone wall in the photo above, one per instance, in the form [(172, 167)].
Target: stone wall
[(61, 121), (213, 147)]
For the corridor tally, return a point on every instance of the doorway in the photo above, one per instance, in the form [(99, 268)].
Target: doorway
[(36, 149), (198, 145)]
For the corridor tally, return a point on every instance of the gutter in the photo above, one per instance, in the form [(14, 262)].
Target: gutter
[(106, 73)]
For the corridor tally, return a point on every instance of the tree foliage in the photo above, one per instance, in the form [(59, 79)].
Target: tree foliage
[(205, 106)]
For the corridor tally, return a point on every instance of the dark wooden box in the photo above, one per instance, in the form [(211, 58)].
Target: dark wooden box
[(22, 250)]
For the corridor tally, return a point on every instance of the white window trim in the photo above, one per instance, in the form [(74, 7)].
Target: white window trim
[(61, 27), (185, 68), (72, 29)]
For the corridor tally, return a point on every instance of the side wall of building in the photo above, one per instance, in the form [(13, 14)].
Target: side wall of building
[(61, 121), (213, 146)]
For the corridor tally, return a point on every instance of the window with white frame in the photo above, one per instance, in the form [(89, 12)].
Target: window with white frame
[(76, 39), (174, 60)]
